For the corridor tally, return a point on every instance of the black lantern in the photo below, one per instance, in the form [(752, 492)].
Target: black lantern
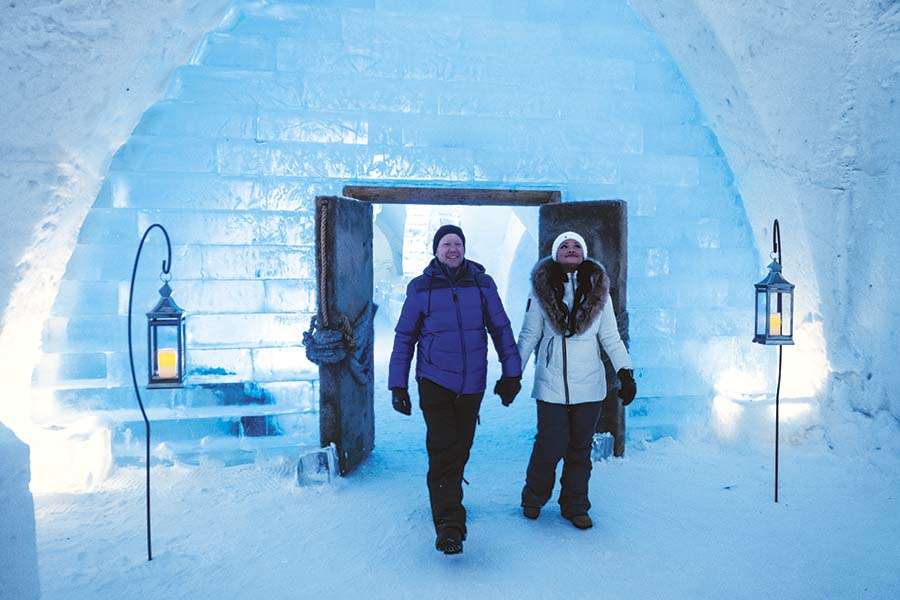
[(774, 302), (165, 342)]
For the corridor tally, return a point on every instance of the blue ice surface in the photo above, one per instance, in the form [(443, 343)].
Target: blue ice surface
[(290, 100)]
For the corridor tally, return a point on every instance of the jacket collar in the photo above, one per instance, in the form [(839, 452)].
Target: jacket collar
[(547, 281)]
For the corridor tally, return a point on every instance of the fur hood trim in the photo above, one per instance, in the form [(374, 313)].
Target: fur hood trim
[(547, 280)]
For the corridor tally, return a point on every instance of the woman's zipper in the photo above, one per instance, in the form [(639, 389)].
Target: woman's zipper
[(564, 337)]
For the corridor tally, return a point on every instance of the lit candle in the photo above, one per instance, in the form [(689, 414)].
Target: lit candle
[(167, 359), (775, 324)]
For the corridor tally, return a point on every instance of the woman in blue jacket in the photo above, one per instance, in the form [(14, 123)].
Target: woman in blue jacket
[(444, 318)]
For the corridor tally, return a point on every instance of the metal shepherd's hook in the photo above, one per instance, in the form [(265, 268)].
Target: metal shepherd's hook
[(166, 266)]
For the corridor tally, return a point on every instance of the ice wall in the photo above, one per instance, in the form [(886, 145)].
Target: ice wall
[(18, 548), (290, 99), (803, 100), (77, 76)]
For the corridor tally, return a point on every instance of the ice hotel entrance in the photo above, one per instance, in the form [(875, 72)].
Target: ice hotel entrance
[(346, 282)]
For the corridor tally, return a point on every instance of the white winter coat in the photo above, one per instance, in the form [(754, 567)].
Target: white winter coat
[(569, 370)]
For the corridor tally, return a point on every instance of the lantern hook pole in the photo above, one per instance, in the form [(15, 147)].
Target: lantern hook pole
[(776, 242), (166, 266), (776, 253), (777, 419)]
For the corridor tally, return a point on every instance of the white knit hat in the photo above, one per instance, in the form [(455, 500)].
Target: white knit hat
[(568, 235)]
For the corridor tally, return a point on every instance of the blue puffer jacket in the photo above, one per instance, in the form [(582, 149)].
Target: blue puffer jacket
[(446, 321)]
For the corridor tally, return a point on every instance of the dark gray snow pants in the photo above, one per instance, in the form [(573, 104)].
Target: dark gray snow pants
[(564, 431)]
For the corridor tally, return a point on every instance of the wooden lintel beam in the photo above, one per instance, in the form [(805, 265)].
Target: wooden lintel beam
[(466, 196)]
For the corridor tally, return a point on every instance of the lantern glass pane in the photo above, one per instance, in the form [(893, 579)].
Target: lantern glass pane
[(776, 313), (166, 352), (787, 316), (760, 313)]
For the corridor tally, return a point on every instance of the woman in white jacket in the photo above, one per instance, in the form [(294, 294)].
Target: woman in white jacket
[(569, 317)]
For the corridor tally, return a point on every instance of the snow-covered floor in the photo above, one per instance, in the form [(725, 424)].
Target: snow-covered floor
[(674, 519)]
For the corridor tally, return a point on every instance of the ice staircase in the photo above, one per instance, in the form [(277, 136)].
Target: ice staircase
[(231, 423), (214, 417)]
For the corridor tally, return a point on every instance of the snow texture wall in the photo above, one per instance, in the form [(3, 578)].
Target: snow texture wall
[(804, 102), (290, 99), (77, 77), (18, 547)]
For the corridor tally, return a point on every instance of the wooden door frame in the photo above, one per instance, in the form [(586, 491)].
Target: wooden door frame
[(449, 195), (452, 196)]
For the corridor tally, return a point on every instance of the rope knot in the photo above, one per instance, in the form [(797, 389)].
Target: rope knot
[(331, 345)]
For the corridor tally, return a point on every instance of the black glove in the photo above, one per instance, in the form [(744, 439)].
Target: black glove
[(627, 387), (507, 388), (400, 400)]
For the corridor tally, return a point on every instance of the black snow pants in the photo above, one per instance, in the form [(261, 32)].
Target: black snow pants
[(564, 431), (450, 420)]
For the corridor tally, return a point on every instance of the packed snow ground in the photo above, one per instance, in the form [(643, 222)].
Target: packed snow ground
[(674, 519)]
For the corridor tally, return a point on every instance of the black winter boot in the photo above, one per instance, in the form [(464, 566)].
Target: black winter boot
[(449, 541), (531, 512), (581, 521)]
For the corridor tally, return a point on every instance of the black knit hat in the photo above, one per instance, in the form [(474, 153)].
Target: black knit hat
[(444, 230)]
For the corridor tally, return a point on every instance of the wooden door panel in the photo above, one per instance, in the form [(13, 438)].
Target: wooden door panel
[(344, 284)]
